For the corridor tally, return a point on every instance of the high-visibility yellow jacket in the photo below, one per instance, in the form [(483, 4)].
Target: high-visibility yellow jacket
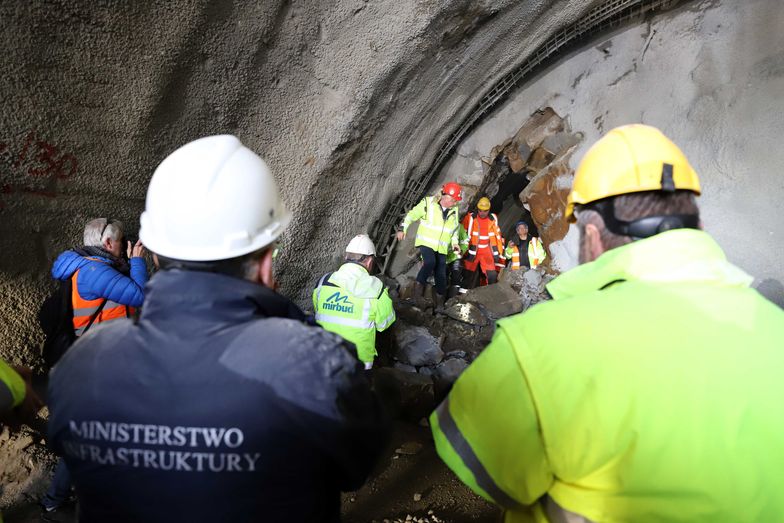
[(12, 387), (434, 231), (462, 238), (650, 389), (536, 253), (354, 305)]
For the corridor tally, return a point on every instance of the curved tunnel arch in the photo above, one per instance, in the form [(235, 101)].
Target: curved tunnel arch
[(348, 102)]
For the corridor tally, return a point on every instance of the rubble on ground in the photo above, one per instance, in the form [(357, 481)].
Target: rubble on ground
[(428, 350)]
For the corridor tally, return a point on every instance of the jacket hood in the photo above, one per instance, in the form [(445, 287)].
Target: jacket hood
[(681, 255), (355, 279)]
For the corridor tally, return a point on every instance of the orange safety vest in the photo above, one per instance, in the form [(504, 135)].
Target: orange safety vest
[(535, 254), (483, 233), (84, 309)]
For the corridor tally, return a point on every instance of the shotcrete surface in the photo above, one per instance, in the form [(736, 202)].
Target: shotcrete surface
[(342, 98)]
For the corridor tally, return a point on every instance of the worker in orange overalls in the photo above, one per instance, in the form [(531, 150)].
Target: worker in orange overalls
[(485, 245)]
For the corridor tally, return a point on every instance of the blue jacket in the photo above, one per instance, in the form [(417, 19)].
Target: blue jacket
[(218, 404), (101, 280)]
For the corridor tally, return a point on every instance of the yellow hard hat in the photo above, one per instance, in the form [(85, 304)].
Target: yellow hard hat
[(628, 159), (484, 204)]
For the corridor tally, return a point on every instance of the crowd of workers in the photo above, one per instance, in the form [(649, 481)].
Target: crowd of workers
[(646, 390), (443, 239)]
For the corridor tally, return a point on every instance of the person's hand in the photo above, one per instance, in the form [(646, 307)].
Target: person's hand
[(138, 249), (401, 236)]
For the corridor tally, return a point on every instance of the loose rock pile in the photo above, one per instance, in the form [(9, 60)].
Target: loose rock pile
[(428, 350)]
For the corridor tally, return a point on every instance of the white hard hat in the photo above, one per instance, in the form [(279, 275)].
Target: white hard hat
[(212, 199), (361, 244)]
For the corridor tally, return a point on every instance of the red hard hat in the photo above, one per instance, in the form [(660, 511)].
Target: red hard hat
[(454, 190)]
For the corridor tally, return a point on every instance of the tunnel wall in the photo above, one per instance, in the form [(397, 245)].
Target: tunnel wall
[(711, 76), (343, 98)]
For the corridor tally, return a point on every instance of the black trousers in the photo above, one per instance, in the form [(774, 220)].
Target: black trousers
[(435, 264)]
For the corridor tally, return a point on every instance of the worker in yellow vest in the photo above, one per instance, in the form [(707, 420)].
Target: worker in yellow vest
[(535, 253), (352, 303), (437, 234), (649, 389)]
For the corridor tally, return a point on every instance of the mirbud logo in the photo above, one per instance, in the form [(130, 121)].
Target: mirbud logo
[(339, 303)]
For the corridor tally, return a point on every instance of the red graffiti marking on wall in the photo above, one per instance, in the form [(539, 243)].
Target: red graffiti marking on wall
[(51, 162), (42, 160)]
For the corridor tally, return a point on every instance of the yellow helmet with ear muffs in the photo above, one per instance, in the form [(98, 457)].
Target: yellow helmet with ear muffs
[(628, 159)]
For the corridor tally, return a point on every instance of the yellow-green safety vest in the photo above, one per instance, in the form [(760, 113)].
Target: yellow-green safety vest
[(433, 231), (648, 390), (354, 305), (462, 238)]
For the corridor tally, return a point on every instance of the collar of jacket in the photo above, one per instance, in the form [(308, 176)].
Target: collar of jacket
[(681, 255), (119, 264), (217, 296)]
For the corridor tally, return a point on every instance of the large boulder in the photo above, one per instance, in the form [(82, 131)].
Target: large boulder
[(459, 336), (416, 346), (497, 301), (466, 313), (449, 370), (445, 374)]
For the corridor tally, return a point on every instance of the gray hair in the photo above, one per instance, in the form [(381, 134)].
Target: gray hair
[(99, 229)]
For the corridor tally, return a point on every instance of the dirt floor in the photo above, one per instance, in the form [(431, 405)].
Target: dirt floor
[(410, 484)]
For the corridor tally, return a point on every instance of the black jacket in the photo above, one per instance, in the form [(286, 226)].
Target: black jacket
[(219, 404)]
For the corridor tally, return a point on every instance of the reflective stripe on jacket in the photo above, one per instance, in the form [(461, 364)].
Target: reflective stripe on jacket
[(536, 254), (84, 309), (648, 390), (433, 231), (483, 233), (353, 304)]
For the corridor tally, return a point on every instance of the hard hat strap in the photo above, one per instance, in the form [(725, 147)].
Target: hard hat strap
[(642, 227)]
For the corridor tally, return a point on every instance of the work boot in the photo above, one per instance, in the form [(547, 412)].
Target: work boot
[(419, 295), (439, 305)]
